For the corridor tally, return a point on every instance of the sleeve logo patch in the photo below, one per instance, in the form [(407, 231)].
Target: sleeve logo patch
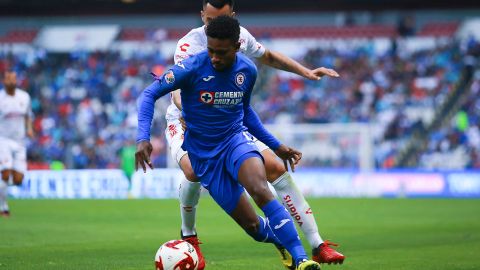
[(169, 77)]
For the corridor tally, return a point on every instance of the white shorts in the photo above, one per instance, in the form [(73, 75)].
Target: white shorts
[(174, 134), (13, 155)]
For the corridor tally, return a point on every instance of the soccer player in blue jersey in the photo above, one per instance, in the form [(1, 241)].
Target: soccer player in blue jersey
[(220, 119), (277, 173)]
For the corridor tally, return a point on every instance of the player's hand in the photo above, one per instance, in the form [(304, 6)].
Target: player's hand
[(318, 73), (182, 122), (30, 134), (288, 155), (142, 155)]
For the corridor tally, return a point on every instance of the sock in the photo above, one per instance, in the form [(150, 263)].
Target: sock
[(3, 196), (189, 195), (298, 207), (265, 233), (284, 229)]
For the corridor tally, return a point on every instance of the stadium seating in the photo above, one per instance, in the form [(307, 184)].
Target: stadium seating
[(446, 29), (93, 94), (19, 36)]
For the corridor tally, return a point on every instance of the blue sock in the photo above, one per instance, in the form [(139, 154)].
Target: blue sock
[(264, 233), (283, 227)]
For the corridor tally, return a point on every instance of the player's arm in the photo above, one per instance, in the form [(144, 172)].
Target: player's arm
[(280, 61), (185, 48), (181, 53), (29, 126), (252, 121), (177, 99), (173, 79), (256, 128), (29, 122)]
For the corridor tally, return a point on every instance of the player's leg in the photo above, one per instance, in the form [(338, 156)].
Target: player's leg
[(251, 174), (291, 197), (189, 195), (17, 178), (256, 226), (19, 162), (230, 195), (294, 201), (189, 189), (6, 163), (259, 229), (4, 210)]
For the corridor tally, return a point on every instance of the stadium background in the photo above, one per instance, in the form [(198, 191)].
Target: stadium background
[(402, 121)]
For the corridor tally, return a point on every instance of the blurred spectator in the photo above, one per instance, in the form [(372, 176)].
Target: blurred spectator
[(85, 103), (127, 155), (406, 26)]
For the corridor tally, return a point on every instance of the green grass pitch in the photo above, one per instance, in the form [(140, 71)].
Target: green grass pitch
[(426, 234)]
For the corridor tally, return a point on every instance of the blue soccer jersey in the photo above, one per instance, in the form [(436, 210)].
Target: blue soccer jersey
[(216, 109), (217, 113), (216, 104)]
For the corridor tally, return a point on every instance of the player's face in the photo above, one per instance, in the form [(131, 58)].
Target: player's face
[(10, 80), (222, 52), (210, 12)]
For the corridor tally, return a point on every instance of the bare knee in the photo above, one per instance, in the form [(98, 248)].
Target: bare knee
[(273, 167), (17, 178), (261, 194), (189, 174), (274, 170), (252, 176), (187, 169), (5, 175)]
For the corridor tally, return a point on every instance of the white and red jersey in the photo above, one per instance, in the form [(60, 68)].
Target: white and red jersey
[(196, 41), (13, 110)]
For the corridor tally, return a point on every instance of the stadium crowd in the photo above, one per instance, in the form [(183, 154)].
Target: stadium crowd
[(85, 103)]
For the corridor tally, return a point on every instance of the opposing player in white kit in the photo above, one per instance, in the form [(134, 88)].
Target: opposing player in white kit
[(277, 174), (15, 123)]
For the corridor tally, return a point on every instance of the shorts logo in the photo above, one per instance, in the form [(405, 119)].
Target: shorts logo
[(169, 77), (172, 130), (206, 97), (239, 79)]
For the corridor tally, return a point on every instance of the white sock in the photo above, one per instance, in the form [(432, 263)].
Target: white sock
[(189, 194), (3, 195), (298, 207)]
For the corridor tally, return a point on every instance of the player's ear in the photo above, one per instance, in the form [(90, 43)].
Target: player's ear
[(237, 46), (202, 15), (233, 14)]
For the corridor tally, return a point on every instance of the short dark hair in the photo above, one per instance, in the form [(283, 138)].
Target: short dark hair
[(224, 27), (219, 3)]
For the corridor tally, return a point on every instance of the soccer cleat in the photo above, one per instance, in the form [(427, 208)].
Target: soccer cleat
[(325, 254), (5, 213), (286, 258), (308, 265), (193, 240)]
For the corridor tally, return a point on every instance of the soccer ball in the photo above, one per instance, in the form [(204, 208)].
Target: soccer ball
[(176, 255)]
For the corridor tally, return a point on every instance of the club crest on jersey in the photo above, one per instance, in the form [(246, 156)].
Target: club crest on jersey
[(169, 77), (206, 97), (239, 79)]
